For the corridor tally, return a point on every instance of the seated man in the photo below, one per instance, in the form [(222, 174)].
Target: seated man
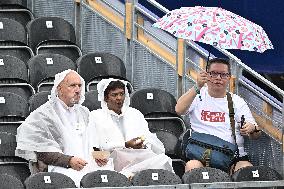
[(123, 131), (207, 108), (54, 136)]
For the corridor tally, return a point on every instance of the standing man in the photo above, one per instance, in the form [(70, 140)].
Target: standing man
[(207, 108), (54, 137), (124, 132)]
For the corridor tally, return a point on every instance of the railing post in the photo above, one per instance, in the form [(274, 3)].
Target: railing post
[(180, 64)]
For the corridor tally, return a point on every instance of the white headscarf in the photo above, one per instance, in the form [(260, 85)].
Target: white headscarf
[(101, 87), (59, 77)]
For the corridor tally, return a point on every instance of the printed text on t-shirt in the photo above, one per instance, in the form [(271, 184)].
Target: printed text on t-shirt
[(213, 116)]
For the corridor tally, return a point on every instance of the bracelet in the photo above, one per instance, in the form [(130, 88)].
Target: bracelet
[(196, 89)]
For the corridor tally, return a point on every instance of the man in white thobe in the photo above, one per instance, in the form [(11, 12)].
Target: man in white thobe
[(123, 131), (54, 137)]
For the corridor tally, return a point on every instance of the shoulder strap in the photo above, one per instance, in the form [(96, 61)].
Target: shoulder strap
[(231, 115)]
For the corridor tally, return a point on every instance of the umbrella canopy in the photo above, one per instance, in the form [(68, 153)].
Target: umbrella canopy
[(215, 26)]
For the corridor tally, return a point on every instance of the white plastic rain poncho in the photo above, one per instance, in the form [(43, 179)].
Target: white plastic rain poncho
[(48, 129), (114, 130)]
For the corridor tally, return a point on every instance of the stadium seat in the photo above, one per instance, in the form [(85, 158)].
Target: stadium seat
[(14, 3), (12, 107), (10, 182), (12, 30), (91, 100), (14, 77), (205, 175), (16, 10), (256, 173), (16, 167), (8, 144), (9, 127), (96, 66), (104, 178), (158, 107), (13, 40), (38, 99), (45, 180), (43, 68), (155, 177), (64, 48), (45, 29)]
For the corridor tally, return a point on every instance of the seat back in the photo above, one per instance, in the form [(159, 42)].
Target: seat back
[(8, 144), (64, 48), (10, 182), (205, 175), (12, 31), (155, 177), (256, 173), (38, 99), (49, 180), (13, 68), (14, 2), (101, 65), (49, 28), (91, 100), (16, 12), (19, 50), (9, 127), (44, 66), (104, 178), (20, 170), (151, 100), (12, 106)]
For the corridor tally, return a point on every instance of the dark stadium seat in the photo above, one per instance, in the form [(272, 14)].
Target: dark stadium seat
[(16, 3), (17, 11), (104, 178), (43, 68), (12, 30), (91, 100), (38, 99), (205, 175), (50, 29), (96, 66), (14, 77), (18, 168), (10, 182), (48, 180), (256, 173), (158, 108), (13, 40), (9, 127), (8, 144), (67, 49), (12, 107), (155, 177)]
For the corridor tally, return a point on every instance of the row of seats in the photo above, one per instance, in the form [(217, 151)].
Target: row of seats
[(39, 36), (38, 74), (107, 178)]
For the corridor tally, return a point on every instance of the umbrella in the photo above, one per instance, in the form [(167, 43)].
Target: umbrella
[(215, 26)]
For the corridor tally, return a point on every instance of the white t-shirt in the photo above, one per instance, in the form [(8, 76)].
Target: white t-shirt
[(211, 116)]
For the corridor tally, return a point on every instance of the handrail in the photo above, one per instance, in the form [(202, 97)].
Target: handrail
[(158, 5)]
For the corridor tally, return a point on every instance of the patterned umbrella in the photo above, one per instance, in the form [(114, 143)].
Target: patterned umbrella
[(215, 26)]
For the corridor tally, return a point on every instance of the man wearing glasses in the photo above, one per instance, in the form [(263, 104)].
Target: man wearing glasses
[(207, 107)]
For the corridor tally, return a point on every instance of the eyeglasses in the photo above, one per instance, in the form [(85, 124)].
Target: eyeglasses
[(222, 75)]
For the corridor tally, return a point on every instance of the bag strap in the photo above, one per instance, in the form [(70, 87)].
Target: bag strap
[(231, 115)]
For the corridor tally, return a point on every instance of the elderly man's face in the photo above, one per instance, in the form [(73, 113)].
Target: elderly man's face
[(115, 100), (69, 89)]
